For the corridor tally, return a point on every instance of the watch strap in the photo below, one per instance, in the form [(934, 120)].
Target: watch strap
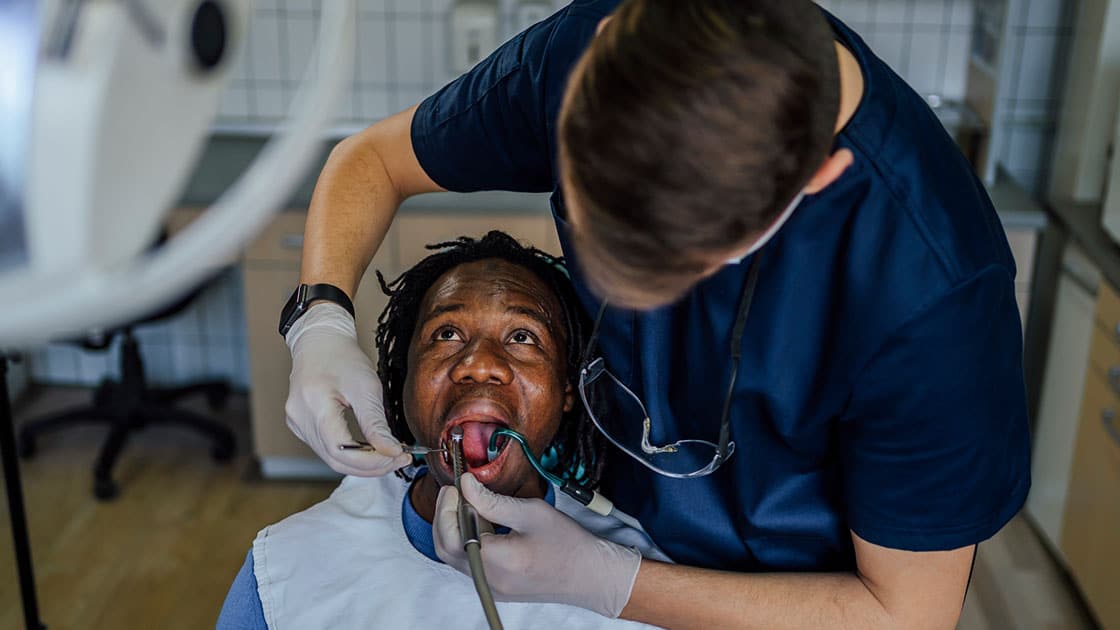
[(304, 296)]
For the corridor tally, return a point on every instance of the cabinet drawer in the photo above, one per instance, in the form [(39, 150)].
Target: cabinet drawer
[(180, 219), (1104, 358), (1091, 535), (270, 364), (1108, 311), (280, 245), (266, 290), (281, 241)]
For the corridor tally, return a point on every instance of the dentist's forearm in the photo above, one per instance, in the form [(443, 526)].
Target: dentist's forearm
[(353, 204), (676, 596), (891, 589), (363, 183)]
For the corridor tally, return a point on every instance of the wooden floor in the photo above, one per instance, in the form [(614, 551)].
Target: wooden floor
[(1016, 585), (164, 553)]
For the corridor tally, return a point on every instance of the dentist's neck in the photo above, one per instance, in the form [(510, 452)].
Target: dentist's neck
[(851, 86)]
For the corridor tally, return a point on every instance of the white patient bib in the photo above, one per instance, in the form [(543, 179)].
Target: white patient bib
[(346, 563)]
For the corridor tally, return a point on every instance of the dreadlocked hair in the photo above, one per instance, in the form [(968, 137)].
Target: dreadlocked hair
[(577, 451)]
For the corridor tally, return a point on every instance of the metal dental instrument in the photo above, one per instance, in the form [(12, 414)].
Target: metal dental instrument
[(411, 449), (470, 524)]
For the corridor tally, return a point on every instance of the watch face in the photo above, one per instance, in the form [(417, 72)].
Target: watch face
[(292, 309), (304, 295)]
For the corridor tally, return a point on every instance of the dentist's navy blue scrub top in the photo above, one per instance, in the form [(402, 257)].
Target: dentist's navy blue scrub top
[(881, 384)]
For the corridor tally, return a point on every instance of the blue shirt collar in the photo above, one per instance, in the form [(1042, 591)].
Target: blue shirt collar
[(419, 532)]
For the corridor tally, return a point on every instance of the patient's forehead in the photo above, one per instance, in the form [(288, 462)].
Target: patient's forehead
[(495, 283)]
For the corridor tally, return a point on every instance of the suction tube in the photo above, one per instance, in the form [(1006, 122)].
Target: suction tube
[(589, 499), (485, 596), (469, 528)]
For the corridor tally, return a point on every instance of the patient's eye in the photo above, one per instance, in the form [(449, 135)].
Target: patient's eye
[(522, 336), (448, 334)]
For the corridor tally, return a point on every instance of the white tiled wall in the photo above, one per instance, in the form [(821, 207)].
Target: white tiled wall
[(402, 53), (1039, 33), (924, 41), (402, 58), (205, 340)]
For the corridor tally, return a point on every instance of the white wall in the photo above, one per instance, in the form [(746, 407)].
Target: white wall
[(402, 54), (402, 59)]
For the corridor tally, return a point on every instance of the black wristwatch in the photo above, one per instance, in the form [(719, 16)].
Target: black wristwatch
[(304, 295)]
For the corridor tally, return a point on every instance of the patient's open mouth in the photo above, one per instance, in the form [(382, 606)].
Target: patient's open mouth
[(476, 441), (479, 420)]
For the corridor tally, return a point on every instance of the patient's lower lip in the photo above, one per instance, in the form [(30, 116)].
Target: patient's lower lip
[(491, 470), (485, 474)]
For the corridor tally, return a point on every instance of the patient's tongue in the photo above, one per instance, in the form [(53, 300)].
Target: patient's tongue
[(476, 437)]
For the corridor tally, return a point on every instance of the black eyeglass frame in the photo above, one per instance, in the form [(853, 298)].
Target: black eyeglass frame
[(595, 366)]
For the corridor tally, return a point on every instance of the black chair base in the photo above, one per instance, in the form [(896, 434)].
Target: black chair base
[(128, 406)]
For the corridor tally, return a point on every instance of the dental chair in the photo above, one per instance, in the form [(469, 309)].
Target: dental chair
[(130, 404)]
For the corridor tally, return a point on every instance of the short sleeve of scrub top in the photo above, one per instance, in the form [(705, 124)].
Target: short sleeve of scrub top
[(490, 129), (487, 119), (935, 423), (881, 390)]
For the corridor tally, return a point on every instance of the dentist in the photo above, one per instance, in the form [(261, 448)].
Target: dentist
[(808, 346)]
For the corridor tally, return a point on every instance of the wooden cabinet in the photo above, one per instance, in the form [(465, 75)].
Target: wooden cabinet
[(270, 273), (1091, 530), (1108, 313), (1091, 537)]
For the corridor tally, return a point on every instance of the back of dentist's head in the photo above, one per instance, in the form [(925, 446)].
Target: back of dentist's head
[(686, 129)]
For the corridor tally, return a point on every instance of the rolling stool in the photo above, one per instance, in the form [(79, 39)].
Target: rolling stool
[(130, 405)]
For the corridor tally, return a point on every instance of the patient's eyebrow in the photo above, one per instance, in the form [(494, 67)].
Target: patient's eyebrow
[(534, 314), (440, 309)]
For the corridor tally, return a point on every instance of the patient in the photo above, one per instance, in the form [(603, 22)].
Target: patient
[(483, 334)]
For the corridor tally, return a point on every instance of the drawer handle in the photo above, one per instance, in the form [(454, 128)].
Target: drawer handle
[(1114, 378), (295, 241), (1108, 418)]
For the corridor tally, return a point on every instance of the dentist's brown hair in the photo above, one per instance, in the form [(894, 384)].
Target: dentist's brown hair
[(687, 127)]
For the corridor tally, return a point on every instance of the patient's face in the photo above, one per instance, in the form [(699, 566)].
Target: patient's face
[(488, 351)]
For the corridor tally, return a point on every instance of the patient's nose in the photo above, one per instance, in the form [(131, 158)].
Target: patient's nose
[(482, 361)]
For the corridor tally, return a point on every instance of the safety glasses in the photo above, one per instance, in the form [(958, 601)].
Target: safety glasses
[(622, 417)]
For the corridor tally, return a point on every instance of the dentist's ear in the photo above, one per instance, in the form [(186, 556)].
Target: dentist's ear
[(602, 24), (830, 171)]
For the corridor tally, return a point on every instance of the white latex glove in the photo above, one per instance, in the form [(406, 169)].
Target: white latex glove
[(547, 557), (331, 373)]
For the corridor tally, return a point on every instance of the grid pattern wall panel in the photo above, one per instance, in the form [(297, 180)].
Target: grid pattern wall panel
[(924, 41), (404, 54), (1040, 37), (403, 57), (205, 340)]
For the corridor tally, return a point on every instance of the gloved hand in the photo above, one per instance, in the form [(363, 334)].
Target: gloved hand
[(330, 373), (547, 557)]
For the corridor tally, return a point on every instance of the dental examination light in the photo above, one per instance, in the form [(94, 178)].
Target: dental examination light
[(104, 108)]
